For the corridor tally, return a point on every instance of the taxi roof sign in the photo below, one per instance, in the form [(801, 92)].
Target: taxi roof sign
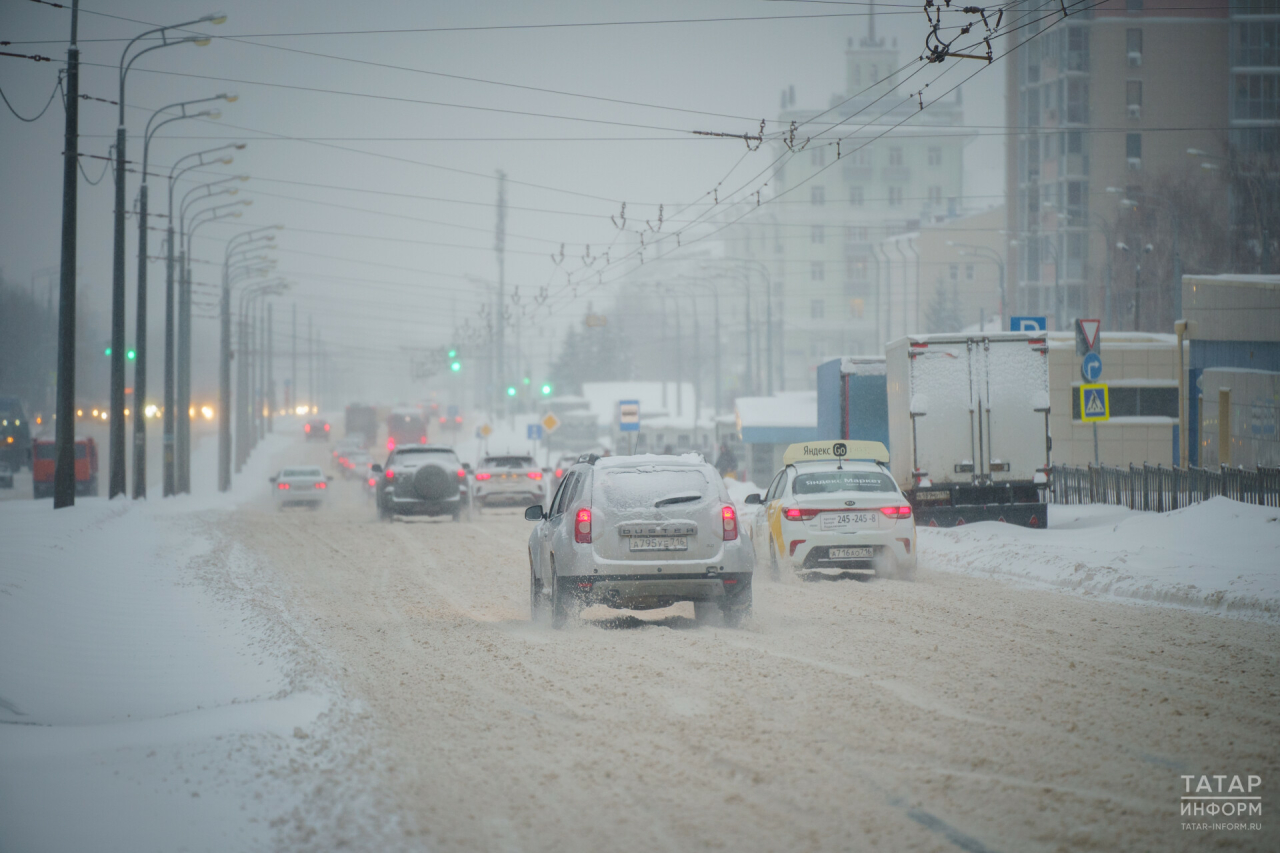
[(822, 451)]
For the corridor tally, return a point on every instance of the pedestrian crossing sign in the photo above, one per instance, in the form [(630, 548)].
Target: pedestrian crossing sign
[(1094, 404)]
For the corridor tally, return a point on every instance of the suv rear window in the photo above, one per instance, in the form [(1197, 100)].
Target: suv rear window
[(509, 462), (646, 486), (827, 482)]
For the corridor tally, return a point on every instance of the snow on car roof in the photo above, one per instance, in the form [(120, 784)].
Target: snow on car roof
[(832, 464), (639, 460)]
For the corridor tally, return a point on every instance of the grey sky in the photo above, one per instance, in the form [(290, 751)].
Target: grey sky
[(379, 294)]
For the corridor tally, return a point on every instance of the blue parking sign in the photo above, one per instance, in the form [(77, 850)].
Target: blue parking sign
[(1027, 324)]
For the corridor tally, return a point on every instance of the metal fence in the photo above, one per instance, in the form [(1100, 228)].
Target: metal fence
[(1159, 489)]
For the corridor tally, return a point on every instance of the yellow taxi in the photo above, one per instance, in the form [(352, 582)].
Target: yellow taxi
[(834, 509)]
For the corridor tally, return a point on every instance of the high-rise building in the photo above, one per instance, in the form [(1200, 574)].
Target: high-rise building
[(820, 239), (1103, 106)]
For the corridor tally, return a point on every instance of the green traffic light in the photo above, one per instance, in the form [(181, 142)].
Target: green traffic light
[(131, 355), (456, 366), (546, 389), (526, 380), (511, 390), (107, 351), (453, 353)]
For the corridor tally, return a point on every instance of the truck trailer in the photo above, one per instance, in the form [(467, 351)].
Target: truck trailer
[(969, 426), (851, 399)]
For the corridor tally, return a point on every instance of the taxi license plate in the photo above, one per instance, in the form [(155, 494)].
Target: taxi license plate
[(845, 520), (659, 543), (849, 554)]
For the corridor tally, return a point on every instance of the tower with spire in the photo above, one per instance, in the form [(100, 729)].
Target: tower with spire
[(869, 62)]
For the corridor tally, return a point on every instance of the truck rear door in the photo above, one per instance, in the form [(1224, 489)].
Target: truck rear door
[(1013, 383)]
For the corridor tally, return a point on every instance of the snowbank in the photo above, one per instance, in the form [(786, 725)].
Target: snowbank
[(1220, 555)]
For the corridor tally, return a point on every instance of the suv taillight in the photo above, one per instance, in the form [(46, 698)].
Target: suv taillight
[(582, 526), (730, 518), (483, 475), (535, 475), (896, 511), (797, 514), (462, 473), (389, 473)]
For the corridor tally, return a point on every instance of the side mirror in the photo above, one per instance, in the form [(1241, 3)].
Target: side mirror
[(533, 513), (466, 466), (274, 478), (375, 468), (754, 498), (329, 478)]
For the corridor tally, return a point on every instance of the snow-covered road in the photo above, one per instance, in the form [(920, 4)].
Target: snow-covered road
[(952, 712)]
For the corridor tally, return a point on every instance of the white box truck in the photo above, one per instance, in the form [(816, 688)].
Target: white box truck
[(969, 426)]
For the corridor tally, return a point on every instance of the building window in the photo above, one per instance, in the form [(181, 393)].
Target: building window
[(1133, 146), (953, 272), (1077, 102), (1077, 49), (856, 268), (935, 156), (968, 272), (895, 196), (818, 156), (1075, 142), (1256, 97), (935, 196), (818, 196), (1255, 44), (818, 234), (1077, 202), (855, 196), (818, 271), (1133, 5), (1133, 44), (856, 233), (1133, 97), (895, 156), (816, 309)]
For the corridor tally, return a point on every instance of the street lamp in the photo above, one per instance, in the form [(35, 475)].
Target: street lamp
[(169, 381), (244, 405), (140, 331), (116, 474)]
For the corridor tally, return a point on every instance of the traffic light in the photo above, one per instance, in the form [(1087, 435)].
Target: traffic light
[(546, 389), (511, 390), (455, 366), (107, 351), (131, 355), (455, 363)]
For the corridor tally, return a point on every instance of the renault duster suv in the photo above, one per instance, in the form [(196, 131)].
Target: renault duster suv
[(421, 480)]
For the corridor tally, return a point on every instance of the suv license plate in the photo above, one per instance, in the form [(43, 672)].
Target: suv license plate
[(659, 543), (849, 553)]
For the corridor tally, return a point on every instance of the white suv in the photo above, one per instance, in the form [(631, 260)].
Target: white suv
[(510, 479), (639, 532)]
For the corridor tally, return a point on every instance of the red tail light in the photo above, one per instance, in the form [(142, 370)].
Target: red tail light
[(796, 514), (282, 485), (373, 481), (306, 427), (391, 444), (462, 473), (322, 485), (730, 518), (535, 475), (483, 475), (559, 473), (896, 511), (342, 460), (389, 473), (422, 440), (458, 419), (442, 419), (582, 526), (326, 427)]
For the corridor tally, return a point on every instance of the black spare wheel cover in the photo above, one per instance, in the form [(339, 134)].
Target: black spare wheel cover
[(433, 483)]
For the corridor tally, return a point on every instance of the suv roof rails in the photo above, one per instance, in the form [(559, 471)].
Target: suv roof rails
[(589, 458)]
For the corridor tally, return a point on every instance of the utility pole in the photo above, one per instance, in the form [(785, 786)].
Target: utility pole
[(500, 247), (271, 371), (183, 443), (64, 471), (140, 347), (292, 403), (224, 387), (115, 436), (311, 364)]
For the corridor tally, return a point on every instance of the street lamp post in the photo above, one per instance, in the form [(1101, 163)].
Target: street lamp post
[(170, 415), (116, 473), (183, 402), (1172, 210), (245, 432), (140, 330)]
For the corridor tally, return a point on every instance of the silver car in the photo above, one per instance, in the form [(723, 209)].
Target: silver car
[(639, 532), (300, 486), (510, 479), (422, 479)]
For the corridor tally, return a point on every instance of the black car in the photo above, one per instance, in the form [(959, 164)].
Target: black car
[(316, 429), (422, 479)]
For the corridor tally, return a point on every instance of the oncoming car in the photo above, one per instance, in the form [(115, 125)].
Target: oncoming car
[(639, 532), (305, 486), (421, 479), (834, 509)]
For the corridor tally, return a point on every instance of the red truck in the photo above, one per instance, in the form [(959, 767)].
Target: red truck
[(43, 457)]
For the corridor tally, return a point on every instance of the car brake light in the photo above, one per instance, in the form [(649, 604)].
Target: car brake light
[(582, 526), (326, 427), (422, 440), (282, 485), (306, 427), (797, 514), (342, 460), (559, 473), (442, 419), (391, 444), (458, 419), (322, 485), (896, 511), (390, 473), (535, 475), (373, 481), (462, 473), (483, 475), (730, 518)]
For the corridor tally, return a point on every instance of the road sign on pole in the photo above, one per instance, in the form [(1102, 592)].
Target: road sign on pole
[(1027, 324), (533, 432), (1087, 336), (628, 415), (485, 430), (1094, 403), (1091, 367), (550, 422)]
